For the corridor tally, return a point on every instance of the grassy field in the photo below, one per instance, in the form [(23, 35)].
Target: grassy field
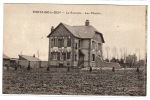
[(58, 81)]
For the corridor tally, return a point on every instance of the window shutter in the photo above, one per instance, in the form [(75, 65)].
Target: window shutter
[(56, 42), (64, 56), (65, 42), (58, 56), (52, 43), (68, 42)]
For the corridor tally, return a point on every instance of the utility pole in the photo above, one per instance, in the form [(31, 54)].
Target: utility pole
[(38, 57), (139, 54), (139, 57)]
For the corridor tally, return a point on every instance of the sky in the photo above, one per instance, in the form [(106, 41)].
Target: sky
[(25, 32)]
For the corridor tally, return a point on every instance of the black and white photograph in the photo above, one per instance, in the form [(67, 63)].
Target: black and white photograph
[(74, 49)]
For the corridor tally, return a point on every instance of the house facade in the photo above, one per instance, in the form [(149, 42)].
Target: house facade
[(76, 46)]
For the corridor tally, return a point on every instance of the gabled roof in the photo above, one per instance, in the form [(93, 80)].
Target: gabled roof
[(30, 58), (5, 57), (81, 31)]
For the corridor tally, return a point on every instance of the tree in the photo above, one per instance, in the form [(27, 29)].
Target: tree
[(141, 62), (113, 59), (131, 60), (121, 62)]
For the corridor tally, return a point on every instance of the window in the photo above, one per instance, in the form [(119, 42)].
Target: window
[(62, 43), (68, 42), (76, 46), (68, 55), (93, 57), (75, 57), (61, 55), (54, 55), (64, 56), (58, 56), (59, 42), (79, 43), (65, 42), (99, 46), (52, 42), (93, 45)]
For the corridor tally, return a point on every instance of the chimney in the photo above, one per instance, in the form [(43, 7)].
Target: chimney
[(87, 23), (52, 28), (34, 55)]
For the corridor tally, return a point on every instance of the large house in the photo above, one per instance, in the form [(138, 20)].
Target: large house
[(75, 45)]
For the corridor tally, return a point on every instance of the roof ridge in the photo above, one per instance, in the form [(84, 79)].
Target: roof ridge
[(80, 31), (81, 25)]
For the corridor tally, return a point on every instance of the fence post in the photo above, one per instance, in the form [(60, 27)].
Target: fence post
[(48, 68), (113, 69), (90, 69), (137, 70), (28, 66)]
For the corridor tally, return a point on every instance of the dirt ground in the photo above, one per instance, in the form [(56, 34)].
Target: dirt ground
[(60, 81)]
